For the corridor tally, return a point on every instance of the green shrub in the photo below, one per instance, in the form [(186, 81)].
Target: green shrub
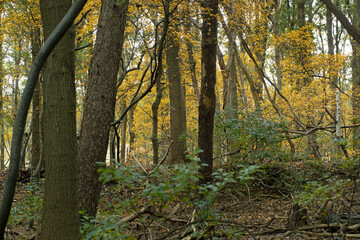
[(165, 187)]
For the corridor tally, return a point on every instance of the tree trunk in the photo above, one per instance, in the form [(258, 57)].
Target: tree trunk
[(155, 120), (2, 133), (17, 76), (230, 105), (277, 47), (36, 104), (112, 146), (356, 80), (132, 133), (16, 85), (301, 13), (123, 127), (191, 59), (177, 101), (99, 104), (60, 214), (21, 116), (333, 78), (208, 81)]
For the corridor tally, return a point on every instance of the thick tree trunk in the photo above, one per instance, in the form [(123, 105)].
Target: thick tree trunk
[(356, 80), (2, 133), (99, 104), (208, 81), (60, 214), (177, 101), (36, 105)]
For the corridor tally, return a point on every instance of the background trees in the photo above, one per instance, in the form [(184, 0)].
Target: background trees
[(283, 75)]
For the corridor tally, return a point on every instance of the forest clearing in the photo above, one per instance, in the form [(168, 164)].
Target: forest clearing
[(179, 119)]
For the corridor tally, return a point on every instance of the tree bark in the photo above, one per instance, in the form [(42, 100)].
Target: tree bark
[(277, 47), (191, 59), (208, 81), (132, 133), (99, 104), (2, 133), (36, 104), (155, 120), (123, 128), (356, 80), (177, 100), (17, 76), (60, 214)]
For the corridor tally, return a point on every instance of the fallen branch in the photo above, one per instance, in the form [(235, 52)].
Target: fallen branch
[(229, 222), (312, 227), (132, 217)]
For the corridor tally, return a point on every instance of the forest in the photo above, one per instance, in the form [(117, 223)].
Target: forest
[(179, 119)]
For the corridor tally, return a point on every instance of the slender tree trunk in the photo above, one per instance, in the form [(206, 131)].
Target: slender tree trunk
[(112, 146), (123, 127), (277, 47), (60, 214), (155, 121), (17, 76), (132, 133), (253, 89), (191, 59), (243, 92), (301, 12), (208, 81), (337, 108), (99, 104), (36, 104), (177, 101), (232, 107)]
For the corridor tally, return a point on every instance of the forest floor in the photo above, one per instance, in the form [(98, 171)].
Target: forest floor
[(259, 210)]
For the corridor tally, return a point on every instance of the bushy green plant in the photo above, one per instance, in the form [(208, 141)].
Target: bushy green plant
[(255, 138), (318, 192), (165, 186), (103, 227), (28, 208)]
